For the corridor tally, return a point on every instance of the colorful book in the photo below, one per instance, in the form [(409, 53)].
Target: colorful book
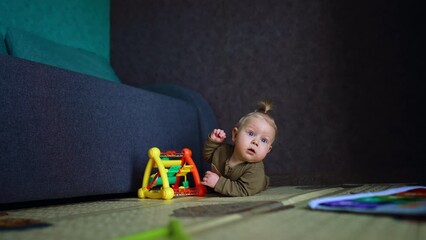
[(410, 200)]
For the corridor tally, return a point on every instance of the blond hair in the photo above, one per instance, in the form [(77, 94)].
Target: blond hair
[(262, 111)]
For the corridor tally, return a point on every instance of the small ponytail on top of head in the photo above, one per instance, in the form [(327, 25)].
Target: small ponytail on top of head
[(264, 106)]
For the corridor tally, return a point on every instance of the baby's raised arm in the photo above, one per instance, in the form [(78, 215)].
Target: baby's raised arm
[(218, 135)]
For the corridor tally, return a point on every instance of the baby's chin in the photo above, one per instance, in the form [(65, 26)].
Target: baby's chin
[(252, 160)]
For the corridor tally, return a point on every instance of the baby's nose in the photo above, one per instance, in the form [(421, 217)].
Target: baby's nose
[(254, 141)]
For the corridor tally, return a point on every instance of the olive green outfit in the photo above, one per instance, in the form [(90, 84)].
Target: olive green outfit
[(244, 179)]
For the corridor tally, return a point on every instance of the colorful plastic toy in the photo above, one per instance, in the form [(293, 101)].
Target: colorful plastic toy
[(172, 166)]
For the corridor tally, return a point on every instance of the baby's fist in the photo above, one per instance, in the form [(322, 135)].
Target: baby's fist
[(218, 135)]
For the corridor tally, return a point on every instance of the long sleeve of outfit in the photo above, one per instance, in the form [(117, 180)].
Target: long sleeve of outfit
[(245, 179)]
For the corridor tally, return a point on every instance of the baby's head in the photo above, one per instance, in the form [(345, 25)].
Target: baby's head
[(263, 111), (254, 133)]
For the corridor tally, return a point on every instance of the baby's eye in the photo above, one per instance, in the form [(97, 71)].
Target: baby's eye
[(251, 133), (264, 140)]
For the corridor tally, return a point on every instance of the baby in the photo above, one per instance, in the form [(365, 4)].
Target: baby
[(238, 170)]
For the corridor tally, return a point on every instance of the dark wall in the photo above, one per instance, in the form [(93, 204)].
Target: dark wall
[(344, 76)]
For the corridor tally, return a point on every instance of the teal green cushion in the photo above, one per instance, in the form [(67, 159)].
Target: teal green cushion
[(3, 49), (32, 47), (81, 24), (2, 45)]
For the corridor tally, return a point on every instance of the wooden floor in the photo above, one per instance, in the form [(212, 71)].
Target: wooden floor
[(278, 213)]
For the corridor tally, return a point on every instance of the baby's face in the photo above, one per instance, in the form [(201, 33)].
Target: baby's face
[(253, 140)]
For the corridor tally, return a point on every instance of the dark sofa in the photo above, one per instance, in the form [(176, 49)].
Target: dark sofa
[(67, 134)]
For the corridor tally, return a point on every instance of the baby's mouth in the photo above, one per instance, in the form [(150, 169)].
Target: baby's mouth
[(251, 151)]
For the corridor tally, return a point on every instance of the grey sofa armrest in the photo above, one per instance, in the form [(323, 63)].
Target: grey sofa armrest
[(65, 134)]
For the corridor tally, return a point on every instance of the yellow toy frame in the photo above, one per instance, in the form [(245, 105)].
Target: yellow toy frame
[(182, 166)]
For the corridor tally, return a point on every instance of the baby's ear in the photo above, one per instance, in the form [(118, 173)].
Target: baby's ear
[(270, 149), (234, 134)]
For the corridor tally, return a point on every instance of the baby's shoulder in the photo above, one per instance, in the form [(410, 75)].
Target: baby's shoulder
[(256, 166), (225, 148)]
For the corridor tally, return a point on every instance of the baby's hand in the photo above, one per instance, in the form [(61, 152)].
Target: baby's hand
[(218, 135), (210, 179)]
